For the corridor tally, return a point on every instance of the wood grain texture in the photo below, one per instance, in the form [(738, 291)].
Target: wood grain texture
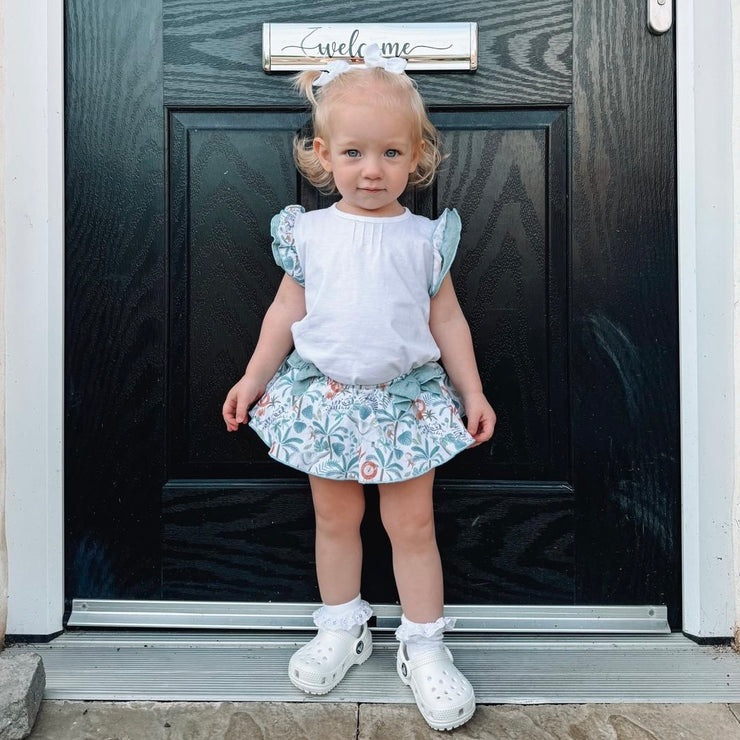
[(213, 50), (238, 541), (229, 174), (253, 541), (506, 543), (115, 287), (232, 171), (624, 308), (571, 291), (510, 278)]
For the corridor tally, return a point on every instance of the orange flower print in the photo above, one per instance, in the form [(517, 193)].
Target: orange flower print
[(420, 407), (335, 388), (368, 470)]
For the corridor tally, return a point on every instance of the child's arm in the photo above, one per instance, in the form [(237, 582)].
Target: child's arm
[(452, 335), (273, 345)]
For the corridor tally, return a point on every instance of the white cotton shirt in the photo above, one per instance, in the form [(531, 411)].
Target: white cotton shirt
[(368, 282)]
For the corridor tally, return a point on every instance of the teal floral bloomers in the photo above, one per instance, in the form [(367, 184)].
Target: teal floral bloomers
[(369, 433)]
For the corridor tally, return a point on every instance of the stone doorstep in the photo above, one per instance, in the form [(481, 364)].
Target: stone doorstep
[(22, 683), (72, 720)]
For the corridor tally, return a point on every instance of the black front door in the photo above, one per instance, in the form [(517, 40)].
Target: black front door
[(562, 165)]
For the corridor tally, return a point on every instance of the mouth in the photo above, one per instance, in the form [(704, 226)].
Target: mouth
[(372, 190)]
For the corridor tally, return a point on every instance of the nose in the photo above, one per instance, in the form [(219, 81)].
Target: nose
[(371, 168)]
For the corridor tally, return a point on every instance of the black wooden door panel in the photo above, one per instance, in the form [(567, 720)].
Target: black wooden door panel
[(230, 172), (178, 153)]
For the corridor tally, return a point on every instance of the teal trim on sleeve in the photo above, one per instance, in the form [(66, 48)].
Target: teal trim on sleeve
[(445, 241), (284, 251)]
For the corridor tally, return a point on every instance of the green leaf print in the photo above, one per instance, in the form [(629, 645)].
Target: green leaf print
[(345, 467), (387, 465), (425, 453), (284, 441), (405, 438)]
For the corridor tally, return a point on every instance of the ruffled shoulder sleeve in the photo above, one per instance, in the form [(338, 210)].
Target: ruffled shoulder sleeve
[(445, 240), (282, 228)]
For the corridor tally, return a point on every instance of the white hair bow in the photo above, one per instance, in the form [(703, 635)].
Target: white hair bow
[(372, 58), (330, 71), (396, 65)]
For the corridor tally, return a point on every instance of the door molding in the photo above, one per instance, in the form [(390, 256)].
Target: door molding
[(33, 186)]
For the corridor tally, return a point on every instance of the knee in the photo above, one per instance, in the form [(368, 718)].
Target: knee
[(339, 521), (413, 531)]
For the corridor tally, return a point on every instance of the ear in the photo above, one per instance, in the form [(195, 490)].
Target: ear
[(417, 156), (321, 150)]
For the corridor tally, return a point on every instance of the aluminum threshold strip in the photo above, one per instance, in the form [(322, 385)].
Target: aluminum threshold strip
[(521, 669), (227, 615)]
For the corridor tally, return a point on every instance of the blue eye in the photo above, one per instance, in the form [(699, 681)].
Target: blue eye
[(391, 153), (352, 153)]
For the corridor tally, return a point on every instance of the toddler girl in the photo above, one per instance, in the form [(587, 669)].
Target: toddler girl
[(368, 305)]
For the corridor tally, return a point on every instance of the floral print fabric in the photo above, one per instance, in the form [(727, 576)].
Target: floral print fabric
[(283, 245), (369, 433)]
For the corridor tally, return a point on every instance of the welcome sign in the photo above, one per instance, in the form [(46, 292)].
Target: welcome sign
[(292, 47)]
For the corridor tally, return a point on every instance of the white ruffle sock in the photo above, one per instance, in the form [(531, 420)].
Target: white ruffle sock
[(421, 637), (343, 640), (348, 617)]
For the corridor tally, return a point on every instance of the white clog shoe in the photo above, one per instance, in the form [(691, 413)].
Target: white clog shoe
[(321, 664), (444, 696)]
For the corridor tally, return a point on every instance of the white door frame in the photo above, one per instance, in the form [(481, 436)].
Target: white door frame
[(32, 215), (32, 203)]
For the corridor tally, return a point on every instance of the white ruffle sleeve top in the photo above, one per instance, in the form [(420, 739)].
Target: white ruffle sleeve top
[(368, 284)]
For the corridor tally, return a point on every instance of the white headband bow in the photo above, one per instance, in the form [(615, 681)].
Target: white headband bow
[(372, 58)]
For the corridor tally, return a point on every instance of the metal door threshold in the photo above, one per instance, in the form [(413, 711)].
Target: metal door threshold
[(235, 615), (169, 666)]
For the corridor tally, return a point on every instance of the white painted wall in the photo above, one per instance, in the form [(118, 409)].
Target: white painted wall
[(32, 176)]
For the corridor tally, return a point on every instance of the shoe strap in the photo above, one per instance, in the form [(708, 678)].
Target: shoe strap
[(346, 639), (431, 656)]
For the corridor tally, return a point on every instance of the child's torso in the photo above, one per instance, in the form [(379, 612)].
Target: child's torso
[(367, 294)]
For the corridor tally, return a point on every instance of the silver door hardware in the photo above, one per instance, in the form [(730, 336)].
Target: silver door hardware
[(660, 15)]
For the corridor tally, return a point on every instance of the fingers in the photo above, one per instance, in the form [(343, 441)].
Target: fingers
[(237, 403), (234, 410), (241, 409), (228, 414), (481, 425)]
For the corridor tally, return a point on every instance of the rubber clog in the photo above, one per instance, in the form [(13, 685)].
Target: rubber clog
[(321, 664), (444, 696)]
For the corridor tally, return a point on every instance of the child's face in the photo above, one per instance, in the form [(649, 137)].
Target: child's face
[(370, 153)]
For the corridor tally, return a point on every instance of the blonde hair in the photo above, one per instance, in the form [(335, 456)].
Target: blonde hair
[(398, 88)]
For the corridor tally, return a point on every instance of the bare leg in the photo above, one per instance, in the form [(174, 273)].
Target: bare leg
[(339, 508), (408, 517)]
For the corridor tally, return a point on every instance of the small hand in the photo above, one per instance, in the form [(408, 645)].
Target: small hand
[(481, 417), (238, 400)]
